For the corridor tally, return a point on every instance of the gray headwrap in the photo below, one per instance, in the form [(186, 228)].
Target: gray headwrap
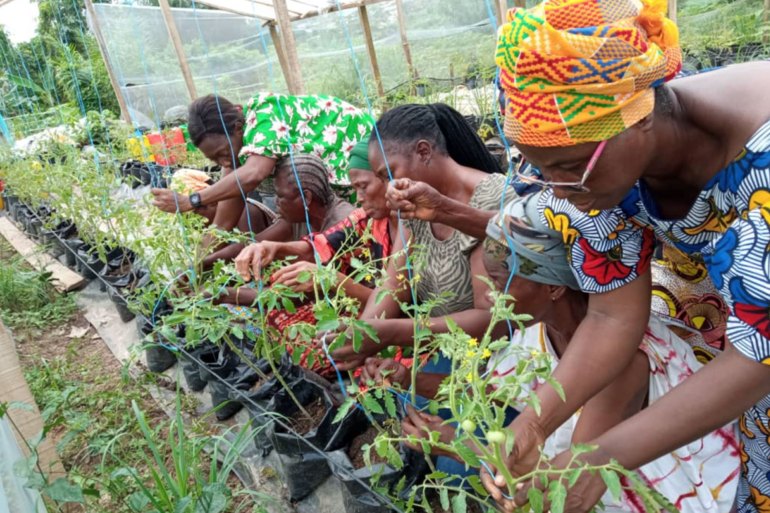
[(312, 174), (518, 238)]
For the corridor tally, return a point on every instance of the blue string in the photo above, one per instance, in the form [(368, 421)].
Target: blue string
[(376, 132), (75, 82), (224, 125), (93, 74)]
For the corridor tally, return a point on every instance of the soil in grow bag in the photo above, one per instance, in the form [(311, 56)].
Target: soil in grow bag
[(358, 480), (258, 399), (356, 449), (303, 466)]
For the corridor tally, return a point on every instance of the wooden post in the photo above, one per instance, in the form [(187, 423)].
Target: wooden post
[(278, 44), (503, 10), (499, 13), (105, 57), (363, 14), (404, 39), (672, 10), (173, 33), (289, 46)]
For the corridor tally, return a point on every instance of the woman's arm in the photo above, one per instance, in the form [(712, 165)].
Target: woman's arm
[(418, 200), (279, 231), (734, 383), (599, 351), (233, 185), (474, 322), (619, 401), (400, 332)]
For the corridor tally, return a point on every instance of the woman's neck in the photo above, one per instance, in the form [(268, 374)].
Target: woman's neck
[(462, 183), (563, 319), (317, 215), (677, 170)]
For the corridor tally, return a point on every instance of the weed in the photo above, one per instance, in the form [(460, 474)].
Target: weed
[(27, 297)]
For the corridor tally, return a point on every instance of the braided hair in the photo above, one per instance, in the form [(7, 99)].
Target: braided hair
[(312, 174), (212, 114), (441, 125)]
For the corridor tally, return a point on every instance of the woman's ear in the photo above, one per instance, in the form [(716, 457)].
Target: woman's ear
[(557, 292), (424, 150)]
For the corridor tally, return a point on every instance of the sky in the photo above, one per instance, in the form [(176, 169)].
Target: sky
[(20, 19)]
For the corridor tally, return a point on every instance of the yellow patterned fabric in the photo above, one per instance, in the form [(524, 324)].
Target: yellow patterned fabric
[(577, 71)]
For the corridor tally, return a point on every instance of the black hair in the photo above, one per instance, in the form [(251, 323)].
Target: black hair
[(313, 175), (212, 114), (443, 127)]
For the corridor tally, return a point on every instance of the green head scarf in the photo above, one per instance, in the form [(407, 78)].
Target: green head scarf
[(359, 156)]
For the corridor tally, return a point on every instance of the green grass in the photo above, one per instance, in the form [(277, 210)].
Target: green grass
[(28, 299), (118, 447)]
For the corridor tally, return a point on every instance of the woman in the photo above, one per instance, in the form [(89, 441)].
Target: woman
[(365, 233), (248, 141), (304, 198), (628, 158), (700, 477), (459, 188)]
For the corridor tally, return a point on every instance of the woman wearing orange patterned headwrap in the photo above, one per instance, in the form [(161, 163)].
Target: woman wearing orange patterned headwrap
[(626, 158)]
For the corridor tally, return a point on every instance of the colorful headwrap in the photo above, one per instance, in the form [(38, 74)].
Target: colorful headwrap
[(359, 156), (518, 238), (577, 71)]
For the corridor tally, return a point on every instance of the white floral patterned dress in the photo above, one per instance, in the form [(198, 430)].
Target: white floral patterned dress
[(278, 125)]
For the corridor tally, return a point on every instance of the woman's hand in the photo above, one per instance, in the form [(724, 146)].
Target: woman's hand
[(414, 200), (171, 202), (586, 491), (253, 258), (421, 425), (347, 358), (290, 276), (528, 440), (387, 372)]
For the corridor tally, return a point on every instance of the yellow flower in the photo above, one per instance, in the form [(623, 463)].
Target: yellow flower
[(469, 377), (486, 353), (534, 353), (366, 253), (473, 342), (416, 278), (368, 277), (470, 353)]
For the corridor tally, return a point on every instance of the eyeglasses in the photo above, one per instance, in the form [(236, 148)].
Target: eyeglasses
[(568, 186)]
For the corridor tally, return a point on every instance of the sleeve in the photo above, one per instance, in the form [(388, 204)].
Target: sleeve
[(606, 249), (739, 266), (269, 125), (492, 193), (327, 243)]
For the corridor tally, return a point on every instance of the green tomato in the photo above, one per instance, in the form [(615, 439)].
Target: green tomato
[(496, 437), (468, 426)]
